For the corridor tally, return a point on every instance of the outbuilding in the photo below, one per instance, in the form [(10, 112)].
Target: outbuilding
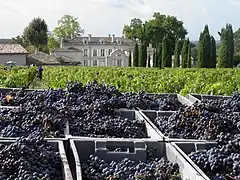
[(14, 53)]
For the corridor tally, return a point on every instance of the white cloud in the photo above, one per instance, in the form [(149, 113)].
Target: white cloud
[(101, 17)]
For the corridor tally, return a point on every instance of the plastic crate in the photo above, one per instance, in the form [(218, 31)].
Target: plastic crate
[(185, 148), (130, 114), (82, 149), (59, 146), (151, 115), (7, 90), (199, 97)]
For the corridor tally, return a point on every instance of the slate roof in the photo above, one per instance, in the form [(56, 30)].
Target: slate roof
[(98, 40), (12, 49), (42, 58)]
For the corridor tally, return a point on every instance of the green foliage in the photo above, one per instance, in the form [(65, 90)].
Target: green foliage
[(36, 33), (154, 30), (159, 55), (230, 44), (189, 58), (213, 58), (236, 60), (151, 80), (177, 54), (194, 53), (130, 59), (53, 43), (17, 77), (136, 56), (204, 49), (154, 58), (184, 53), (224, 50), (68, 27)]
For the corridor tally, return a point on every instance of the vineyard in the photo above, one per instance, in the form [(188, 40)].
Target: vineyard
[(183, 81)]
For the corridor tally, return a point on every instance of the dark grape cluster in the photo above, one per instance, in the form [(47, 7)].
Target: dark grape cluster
[(231, 104), (93, 91), (198, 122), (221, 162), (89, 109), (29, 158), (126, 169)]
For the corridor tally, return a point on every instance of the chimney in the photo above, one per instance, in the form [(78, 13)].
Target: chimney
[(113, 37), (89, 37), (109, 35)]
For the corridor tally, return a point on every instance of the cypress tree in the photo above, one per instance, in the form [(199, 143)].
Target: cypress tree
[(159, 56), (141, 55), (166, 53), (230, 45), (189, 60), (136, 56), (223, 61), (130, 59), (154, 58), (204, 48), (145, 56), (149, 61), (213, 53), (184, 54), (200, 52), (177, 54)]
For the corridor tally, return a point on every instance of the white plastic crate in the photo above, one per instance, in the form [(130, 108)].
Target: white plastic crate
[(82, 149)]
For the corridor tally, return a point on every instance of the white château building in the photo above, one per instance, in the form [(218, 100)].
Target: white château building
[(96, 51)]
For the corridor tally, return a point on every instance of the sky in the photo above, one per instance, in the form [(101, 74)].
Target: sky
[(103, 17)]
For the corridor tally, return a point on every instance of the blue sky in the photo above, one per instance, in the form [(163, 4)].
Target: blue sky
[(103, 17)]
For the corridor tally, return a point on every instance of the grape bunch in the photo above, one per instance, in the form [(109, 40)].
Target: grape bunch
[(231, 104), (126, 169), (92, 91), (198, 122), (29, 158), (222, 162)]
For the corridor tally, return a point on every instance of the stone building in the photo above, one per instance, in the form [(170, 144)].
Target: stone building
[(96, 51)]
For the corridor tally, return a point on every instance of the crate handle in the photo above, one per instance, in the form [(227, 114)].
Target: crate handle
[(139, 150)]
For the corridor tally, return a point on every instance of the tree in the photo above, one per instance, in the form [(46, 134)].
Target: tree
[(155, 29), (136, 56), (68, 27), (224, 50), (200, 51), (213, 58), (149, 61), (166, 54), (230, 44), (143, 55), (194, 53), (53, 43), (177, 54), (204, 49), (19, 40), (159, 56), (154, 58), (130, 59), (184, 53), (189, 59), (36, 33)]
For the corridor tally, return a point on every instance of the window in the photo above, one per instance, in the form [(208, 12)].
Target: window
[(85, 62), (94, 62), (109, 51), (102, 63), (102, 52), (85, 52), (94, 52), (119, 62)]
